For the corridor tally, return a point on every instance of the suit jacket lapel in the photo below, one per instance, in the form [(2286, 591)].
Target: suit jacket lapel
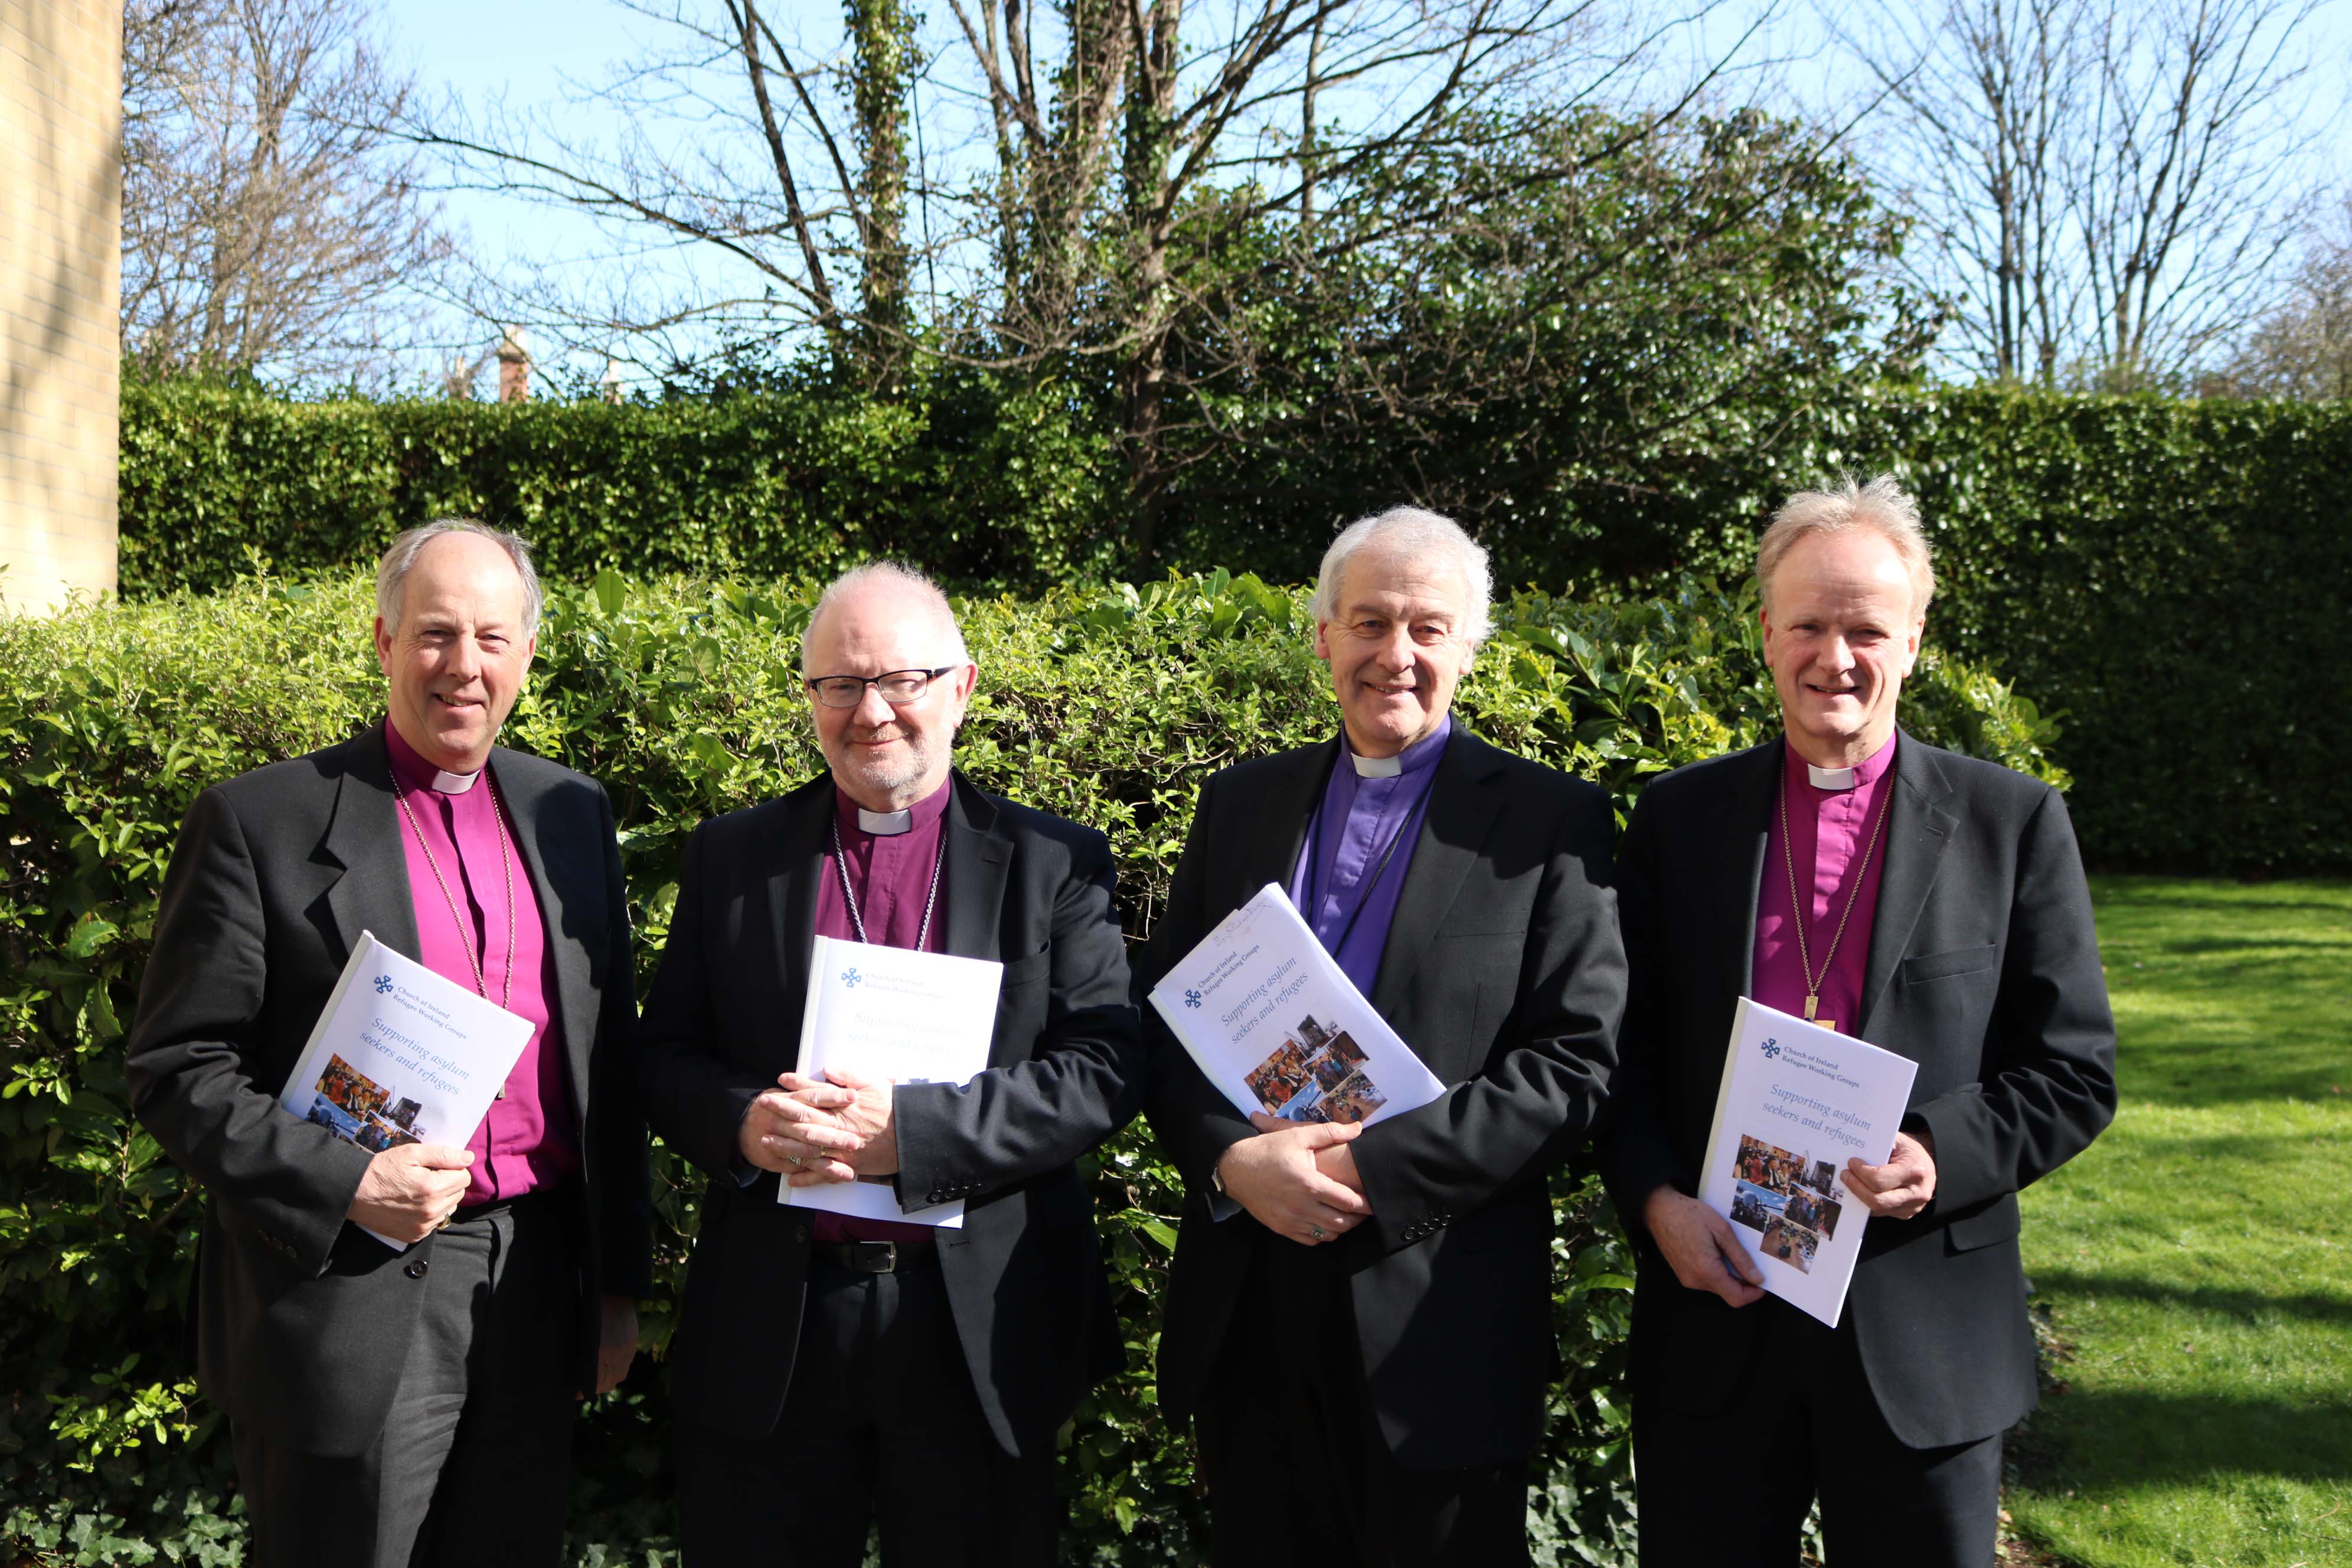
[(571, 893), (979, 858), (1918, 830), (979, 855), (1278, 830), (791, 884), (1741, 836), (362, 844), (1464, 803)]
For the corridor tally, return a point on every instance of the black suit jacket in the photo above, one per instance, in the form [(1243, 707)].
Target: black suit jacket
[(1024, 1274), (303, 1322), (1503, 971), (1983, 968)]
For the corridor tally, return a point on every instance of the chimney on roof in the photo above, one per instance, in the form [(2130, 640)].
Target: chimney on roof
[(514, 366)]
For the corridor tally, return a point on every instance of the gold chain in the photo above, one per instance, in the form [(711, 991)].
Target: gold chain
[(506, 864), (1796, 906)]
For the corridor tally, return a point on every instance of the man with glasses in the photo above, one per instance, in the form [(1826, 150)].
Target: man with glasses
[(834, 1372)]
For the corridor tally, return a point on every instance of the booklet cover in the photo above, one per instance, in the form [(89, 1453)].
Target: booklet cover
[(892, 1013), (1797, 1101), (1278, 1028), (400, 1054)]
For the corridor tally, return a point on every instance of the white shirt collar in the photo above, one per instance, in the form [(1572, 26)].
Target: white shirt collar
[(1376, 767), (885, 824), (1830, 778), (455, 784)]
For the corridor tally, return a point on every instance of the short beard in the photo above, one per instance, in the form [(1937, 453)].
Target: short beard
[(893, 779)]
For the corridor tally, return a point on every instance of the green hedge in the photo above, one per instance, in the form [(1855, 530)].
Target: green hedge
[(986, 483), (1107, 705), (2145, 567)]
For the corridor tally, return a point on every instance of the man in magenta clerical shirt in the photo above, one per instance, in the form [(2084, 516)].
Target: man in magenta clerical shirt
[(1934, 905), (833, 1373), (410, 1400)]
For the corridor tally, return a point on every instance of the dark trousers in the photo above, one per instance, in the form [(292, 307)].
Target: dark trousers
[(1731, 1491), (475, 1460), (1291, 1448), (881, 1426)]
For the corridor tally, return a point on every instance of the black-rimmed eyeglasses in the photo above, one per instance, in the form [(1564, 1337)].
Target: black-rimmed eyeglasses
[(898, 687)]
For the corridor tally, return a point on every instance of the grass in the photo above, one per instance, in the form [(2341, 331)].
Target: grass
[(2197, 1259)]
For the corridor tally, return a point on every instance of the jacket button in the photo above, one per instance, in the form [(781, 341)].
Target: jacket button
[(415, 1270), (800, 1233)]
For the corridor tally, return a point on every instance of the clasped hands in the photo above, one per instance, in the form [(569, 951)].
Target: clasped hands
[(1707, 1255), (815, 1130), (1297, 1179)]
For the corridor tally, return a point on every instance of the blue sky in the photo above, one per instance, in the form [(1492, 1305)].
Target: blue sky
[(525, 50)]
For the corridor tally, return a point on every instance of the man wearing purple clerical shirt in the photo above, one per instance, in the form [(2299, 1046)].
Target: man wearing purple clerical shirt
[(1935, 906), (832, 1374), (1358, 1316), (411, 1404)]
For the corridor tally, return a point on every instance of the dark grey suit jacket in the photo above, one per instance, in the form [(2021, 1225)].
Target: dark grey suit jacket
[(1024, 1274), (1983, 968), (303, 1322), (1504, 973)]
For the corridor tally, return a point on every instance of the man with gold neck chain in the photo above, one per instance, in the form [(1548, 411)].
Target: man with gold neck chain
[(411, 1404), (1935, 906)]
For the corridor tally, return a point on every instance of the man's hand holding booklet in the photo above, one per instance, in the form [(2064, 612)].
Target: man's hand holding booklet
[(1276, 1026)]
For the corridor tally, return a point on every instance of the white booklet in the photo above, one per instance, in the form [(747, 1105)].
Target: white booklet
[(400, 1054), (1274, 1022), (892, 1013), (1797, 1101)]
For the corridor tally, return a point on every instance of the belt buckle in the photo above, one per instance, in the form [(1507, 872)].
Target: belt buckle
[(878, 1257)]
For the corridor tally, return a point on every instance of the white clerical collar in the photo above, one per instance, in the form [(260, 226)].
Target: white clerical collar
[(1831, 778), (454, 783), (887, 823), (1376, 767)]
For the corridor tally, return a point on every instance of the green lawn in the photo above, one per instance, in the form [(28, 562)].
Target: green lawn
[(2197, 1259)]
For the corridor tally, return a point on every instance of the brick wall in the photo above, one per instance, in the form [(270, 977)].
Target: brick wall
[(60, 280)]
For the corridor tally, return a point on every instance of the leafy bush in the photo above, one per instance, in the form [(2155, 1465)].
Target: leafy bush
[(988, 483), (2124, 559), (1105, 705)]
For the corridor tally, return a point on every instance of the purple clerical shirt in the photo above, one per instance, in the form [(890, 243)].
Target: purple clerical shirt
[(526, 1141), (1347, 876), (892, 876), (1830, 829)]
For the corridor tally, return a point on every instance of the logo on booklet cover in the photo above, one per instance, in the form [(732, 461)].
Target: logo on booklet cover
[(1772, 1049), (383, 984), (1191, 998), (850, 977)]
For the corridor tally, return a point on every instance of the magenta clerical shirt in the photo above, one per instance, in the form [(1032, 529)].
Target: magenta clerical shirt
[(526, 1141), (892, 876), (1829, 829)]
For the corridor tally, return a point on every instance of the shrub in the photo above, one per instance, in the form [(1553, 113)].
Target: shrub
[(2122, 558), (1105, 705)]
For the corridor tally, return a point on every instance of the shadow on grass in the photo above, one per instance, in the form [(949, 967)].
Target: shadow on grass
[(2289, 949), (2202, 1075), (2247, 1306), (2131, 1437)]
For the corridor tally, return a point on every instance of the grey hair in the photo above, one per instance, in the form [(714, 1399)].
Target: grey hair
[(1411, 531), (886, 573), (392, 571), (1882, 506)]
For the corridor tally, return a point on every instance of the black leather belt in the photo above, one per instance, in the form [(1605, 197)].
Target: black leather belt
[(877, 1257), (535, 1198)]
